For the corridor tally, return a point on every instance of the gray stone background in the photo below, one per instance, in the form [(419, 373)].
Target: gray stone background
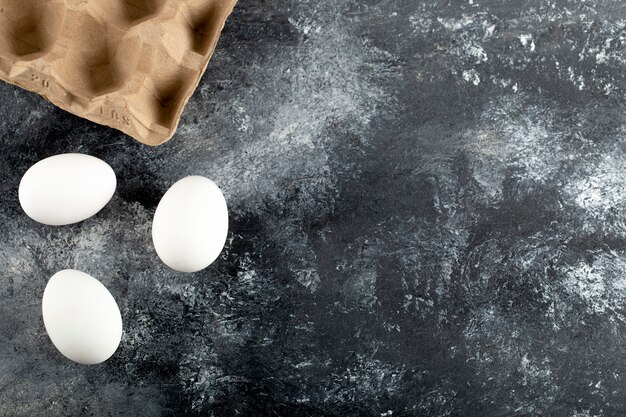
[(426, 212)]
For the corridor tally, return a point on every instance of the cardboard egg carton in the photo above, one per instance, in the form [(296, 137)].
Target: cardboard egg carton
[(128, 64)]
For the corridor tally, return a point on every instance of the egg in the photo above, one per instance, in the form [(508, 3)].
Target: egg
[(66, 188), (81, 317), (190, 224)]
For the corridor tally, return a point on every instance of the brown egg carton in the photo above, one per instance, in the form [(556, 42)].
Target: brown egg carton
[(128, 64)]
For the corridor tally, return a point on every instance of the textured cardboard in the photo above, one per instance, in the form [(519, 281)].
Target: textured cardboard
[(128, 64)]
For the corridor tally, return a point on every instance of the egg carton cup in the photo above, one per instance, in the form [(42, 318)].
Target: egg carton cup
[(128, 64)]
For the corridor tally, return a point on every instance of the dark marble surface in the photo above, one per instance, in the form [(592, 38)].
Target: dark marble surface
[(427, 219)]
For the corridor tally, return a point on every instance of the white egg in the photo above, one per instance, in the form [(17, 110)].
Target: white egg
[(190, 224), (66, 188), (81, 317)]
